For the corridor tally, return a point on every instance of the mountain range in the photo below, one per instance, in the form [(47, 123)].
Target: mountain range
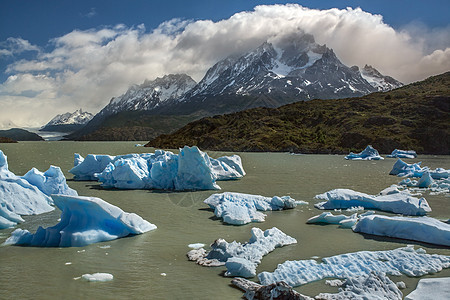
[(68, 122), (275, 73)]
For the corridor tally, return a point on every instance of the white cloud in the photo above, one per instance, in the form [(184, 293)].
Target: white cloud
[(13, 46), (86, 68)]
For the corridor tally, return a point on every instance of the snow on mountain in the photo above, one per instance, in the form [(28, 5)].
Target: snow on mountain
[(381, 82), (296, 67), (78, 117), (150, 94)]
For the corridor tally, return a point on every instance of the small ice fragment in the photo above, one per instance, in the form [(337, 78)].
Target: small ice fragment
[(196, 246), (97, 277)]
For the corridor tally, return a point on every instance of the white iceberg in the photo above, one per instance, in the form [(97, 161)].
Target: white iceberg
[(19, 197), (50, 182), (402, 154), (97, 277), (84, 220), (431, 289), (239, 209), (367, 154), (401, 261), (402, 169), (192, 169), (400, 203), (329, 218), (422, 229), (242, 259)]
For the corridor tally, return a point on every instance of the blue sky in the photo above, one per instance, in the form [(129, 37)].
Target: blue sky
[(58, 56)]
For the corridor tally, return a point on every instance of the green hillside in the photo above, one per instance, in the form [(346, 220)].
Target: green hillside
[(415, 117)]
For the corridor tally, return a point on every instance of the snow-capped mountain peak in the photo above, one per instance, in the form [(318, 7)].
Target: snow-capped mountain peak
[(379, 81), (79, 117)]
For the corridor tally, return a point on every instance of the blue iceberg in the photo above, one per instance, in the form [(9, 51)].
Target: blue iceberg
[(49, 182), (19, 197), (84, 220), (239, 209), (402, 154), (402, 169), (241, 259), (401, 261), (399, 202), (192, 169), (422, 229), (367, 154)]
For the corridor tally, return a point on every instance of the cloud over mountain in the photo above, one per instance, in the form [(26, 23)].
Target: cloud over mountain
[(87, 68)]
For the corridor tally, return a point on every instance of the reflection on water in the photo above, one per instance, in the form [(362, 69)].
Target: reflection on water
[(182, 219)]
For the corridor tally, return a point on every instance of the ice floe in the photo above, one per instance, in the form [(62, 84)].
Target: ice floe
[(239, 209), (397, 202), (431, 289), (405, 260), (97, 277), (19, 197), (191, 169), (84, 220), (241, 259), (402, 154), (422, 229), (367, 154)]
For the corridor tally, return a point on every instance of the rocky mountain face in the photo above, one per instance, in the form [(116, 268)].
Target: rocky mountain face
[(68, 121), (292, 69)]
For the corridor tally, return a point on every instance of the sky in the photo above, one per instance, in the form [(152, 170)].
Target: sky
[(58, 56)]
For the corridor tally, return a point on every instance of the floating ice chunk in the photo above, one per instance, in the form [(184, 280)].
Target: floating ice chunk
[(227, 167), (50, 182), (86, 168), (97, 277), (239, 209), (367, 154), (196, 246), (422, 229), (125, 173), (401, 285), (242, 259), (400, 203), (431, 289), (395, 262), (329, 218), (84, 220), (402, 169), (77, 159), (370, 286), (425, 181), (19, 197), (402, 154), (335, 282)]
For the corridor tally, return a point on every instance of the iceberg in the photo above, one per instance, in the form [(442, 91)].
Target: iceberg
[(84, 220), (402, 154), (405, 260), (402, 169), (50, 182), (329, 218), (191, 169), (97, 277), (241, 259), (431, 289), (367, 154), (399, 203), (422, 229), (239, 209), (19, 197)]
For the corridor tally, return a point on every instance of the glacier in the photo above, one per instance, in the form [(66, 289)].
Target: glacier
[(239, 208), (422, 229), (241, 259), (397, 202), (19, 197), (400, 261), (84, 220), (431, 289), (402, 154), (367, 154), (191, 169)]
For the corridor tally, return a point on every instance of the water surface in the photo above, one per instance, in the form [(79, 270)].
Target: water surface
[(139, 263)]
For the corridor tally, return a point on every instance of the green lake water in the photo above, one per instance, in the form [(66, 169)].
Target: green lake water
[(154, 265)]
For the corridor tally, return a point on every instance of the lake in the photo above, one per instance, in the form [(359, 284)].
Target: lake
[(154, 265)]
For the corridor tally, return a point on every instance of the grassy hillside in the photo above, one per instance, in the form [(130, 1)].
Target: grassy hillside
[(416, 116)]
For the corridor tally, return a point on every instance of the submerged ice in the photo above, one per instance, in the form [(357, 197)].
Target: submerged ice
[(367, 154), (397, 202), (84, 220), (242, 259), (191, 169), (239, 209), (401, 261)]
